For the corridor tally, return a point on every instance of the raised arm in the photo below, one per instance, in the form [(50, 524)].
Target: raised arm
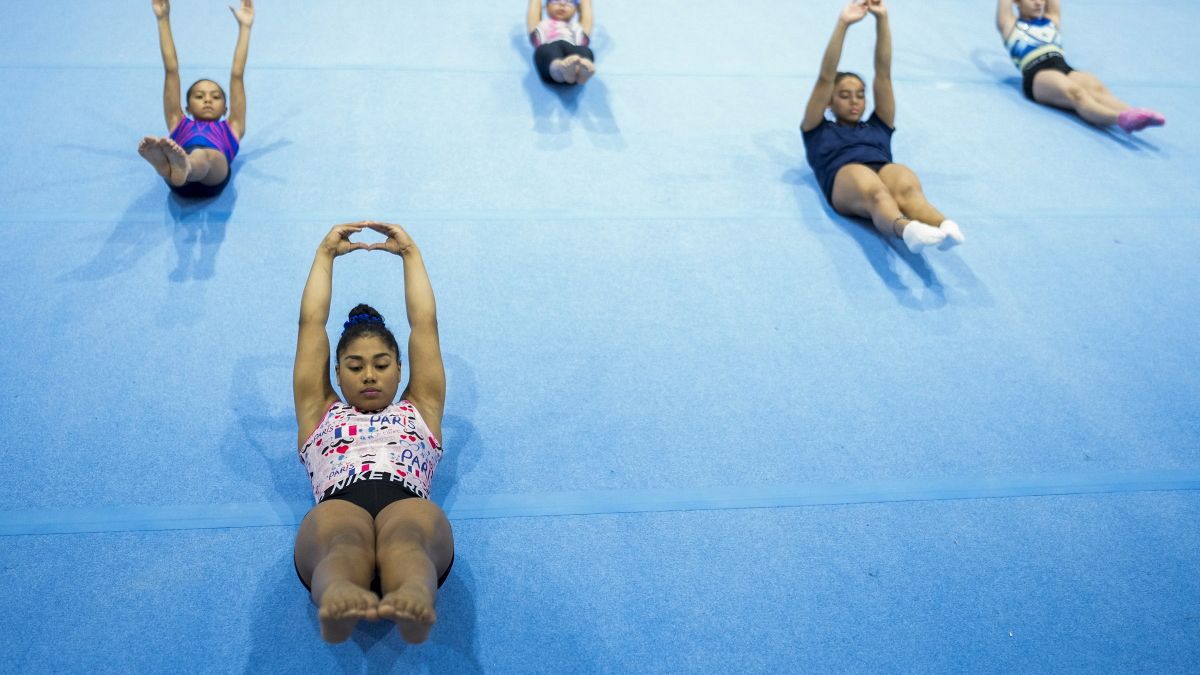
[(311, 387), (822, 92), (172, 109), (1005, 19), (427, 376), (1053, 12), (885, 99), (237, 87), (585, 16), (533, 16)]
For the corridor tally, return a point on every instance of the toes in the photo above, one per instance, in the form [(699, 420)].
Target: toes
[(398, 607), (330, 611), (368, 606)]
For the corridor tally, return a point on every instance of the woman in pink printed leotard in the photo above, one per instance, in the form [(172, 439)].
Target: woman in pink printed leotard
[(374, 546), (195, 159)]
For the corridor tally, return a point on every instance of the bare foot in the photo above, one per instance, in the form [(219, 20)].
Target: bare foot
[(177, 159), (571, 69), (585, 71), (411, 607), (150, 151), (342, 605), (558, 71)]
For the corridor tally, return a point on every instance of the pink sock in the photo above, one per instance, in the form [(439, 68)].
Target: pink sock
[(1134, 119), (1156, 119)]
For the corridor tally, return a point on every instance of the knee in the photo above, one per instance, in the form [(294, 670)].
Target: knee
[(352, 539), (346, 545), (397, 530), (198, 157), (1076, 94), (879, 197), (908, 194), (414, 521)]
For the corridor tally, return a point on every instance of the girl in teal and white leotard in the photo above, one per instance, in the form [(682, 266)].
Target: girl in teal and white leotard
[(1035, 44)]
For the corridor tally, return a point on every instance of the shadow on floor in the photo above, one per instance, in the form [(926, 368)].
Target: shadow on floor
[(913, 282), (556, 108), (1001, 70)]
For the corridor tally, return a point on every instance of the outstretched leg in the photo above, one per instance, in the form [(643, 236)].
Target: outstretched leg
[(177, 161), (151, 152), (584, 70), (414, 546), (859, 191), (1051, 87), (335, 555), (207, 166), (1098, 91), (567, 71), (1129, 117), (906, 190)]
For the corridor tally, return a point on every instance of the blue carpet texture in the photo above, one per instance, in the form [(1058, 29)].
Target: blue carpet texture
[(696, 421)]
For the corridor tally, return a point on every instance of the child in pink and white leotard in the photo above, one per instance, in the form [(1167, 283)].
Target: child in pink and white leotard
[(561, 53)]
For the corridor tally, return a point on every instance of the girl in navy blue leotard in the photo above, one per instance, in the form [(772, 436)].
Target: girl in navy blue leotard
[(194, 160), (853, 159)]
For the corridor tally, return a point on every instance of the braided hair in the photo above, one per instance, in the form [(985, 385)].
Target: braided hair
[(364, 321)]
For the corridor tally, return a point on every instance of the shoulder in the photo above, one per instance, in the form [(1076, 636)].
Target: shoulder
[(815, 131), (875, 121)]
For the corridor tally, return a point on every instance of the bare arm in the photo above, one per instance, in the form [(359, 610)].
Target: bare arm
[(237, 86), (1053, 12), (822, 92), (885, 99), (311, 388), (1005, 19), (533, 16), (585, 16), (427, 375), (172, 109)]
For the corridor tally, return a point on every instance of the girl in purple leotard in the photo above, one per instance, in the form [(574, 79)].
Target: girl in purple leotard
[(195, 159)]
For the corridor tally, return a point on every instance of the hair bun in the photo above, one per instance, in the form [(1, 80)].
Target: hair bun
[(363, 313)]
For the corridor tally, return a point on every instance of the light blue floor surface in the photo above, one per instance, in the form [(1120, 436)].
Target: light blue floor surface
[(696, 420)]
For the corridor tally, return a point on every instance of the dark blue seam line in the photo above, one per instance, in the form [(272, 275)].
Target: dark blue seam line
[(478, 507)]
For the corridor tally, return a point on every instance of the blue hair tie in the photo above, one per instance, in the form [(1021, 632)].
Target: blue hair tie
[(356, 319)]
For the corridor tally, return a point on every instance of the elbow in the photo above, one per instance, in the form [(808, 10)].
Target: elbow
[(427, 320), (312, 319)]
